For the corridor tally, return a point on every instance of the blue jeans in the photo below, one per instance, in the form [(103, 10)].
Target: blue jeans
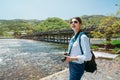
[(76, 70)]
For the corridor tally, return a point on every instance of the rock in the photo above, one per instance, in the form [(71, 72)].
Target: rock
[(107, 70)]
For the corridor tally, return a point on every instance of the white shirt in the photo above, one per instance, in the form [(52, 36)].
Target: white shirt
[(76, 52)]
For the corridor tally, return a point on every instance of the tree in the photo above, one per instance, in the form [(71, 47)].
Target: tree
[(17, 34), (51, 24), (116, 28), (107, 28)]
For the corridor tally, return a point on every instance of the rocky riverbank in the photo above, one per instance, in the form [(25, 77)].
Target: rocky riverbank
[(26, 66), (107, 70)]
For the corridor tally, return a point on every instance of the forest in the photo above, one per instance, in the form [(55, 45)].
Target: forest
[(18, 27)]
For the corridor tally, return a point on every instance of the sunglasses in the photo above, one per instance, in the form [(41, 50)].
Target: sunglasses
[(75, 22)]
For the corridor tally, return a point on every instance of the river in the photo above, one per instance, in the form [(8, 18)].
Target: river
[(29, 60)]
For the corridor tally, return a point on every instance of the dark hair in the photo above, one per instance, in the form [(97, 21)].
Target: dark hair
[(78, 18)]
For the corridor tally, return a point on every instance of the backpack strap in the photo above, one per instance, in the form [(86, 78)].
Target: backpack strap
[(76, 36), (81, 33), (93, 56)]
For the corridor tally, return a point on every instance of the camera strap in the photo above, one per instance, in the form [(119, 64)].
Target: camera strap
[(73, 39)]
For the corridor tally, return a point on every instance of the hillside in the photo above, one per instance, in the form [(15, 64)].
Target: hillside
[(17, 27)]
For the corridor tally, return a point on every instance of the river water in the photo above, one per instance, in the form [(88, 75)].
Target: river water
[(29, 60)]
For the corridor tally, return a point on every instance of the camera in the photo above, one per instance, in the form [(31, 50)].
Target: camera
[(63, 59)]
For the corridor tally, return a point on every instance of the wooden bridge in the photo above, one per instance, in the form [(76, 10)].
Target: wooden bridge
[(59, 36)]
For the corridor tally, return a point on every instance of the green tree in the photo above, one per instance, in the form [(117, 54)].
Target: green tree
[(107, 28), (52, 24), (116, 28)]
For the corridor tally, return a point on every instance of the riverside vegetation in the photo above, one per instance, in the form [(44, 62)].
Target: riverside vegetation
[(107, 27)]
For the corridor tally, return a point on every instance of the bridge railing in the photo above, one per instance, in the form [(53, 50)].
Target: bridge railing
[(59, 36)]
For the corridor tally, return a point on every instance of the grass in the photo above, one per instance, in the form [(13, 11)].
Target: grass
[(94, 47), (115, 42), (115, 50)]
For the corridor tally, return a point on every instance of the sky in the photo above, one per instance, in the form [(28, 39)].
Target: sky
[(64, 9)]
